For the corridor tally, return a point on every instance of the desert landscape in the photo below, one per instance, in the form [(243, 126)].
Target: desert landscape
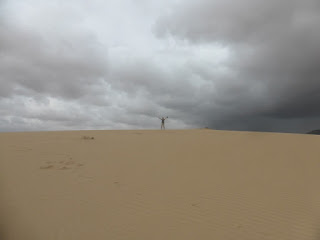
[(152, 184)]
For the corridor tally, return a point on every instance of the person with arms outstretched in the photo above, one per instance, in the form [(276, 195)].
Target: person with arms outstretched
[(162, 122)]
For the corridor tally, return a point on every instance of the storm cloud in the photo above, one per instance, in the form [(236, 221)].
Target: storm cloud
[(245, 65), (275, 69)]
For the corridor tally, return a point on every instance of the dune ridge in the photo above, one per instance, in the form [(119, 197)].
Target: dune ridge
[(152, 184)]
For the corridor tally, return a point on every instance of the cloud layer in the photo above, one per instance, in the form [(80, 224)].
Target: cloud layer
[(250, 65), (275, 63)]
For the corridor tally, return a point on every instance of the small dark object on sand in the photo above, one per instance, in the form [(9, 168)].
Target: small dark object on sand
[(87, 138)]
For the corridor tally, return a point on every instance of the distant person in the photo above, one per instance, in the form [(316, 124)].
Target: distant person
[(162, 122)]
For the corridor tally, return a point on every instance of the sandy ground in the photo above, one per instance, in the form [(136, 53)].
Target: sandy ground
[(173, 184)]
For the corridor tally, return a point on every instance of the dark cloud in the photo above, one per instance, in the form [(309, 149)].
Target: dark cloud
[(275, 60)]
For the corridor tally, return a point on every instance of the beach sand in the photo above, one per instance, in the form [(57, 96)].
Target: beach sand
[(159, 185)]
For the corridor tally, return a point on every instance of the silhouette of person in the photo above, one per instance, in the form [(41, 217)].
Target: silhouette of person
[(162, 122)]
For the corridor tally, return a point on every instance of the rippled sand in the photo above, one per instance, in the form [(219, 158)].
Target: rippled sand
[(159, 185)]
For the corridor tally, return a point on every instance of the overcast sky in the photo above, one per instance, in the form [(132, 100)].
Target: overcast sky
[(119, 64)]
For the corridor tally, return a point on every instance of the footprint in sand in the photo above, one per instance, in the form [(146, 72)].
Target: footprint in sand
[(47, 167), (65, 164), (64, 168)]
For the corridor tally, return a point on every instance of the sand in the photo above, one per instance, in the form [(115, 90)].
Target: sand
[(173, 184)]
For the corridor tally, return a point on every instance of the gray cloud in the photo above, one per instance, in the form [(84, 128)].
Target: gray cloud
[(275, 60), (63, 67), (245, 65)]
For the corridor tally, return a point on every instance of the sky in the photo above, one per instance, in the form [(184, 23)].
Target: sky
[(250, 65)]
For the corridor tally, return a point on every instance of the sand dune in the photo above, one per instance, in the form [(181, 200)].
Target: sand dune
[(173, 184)]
